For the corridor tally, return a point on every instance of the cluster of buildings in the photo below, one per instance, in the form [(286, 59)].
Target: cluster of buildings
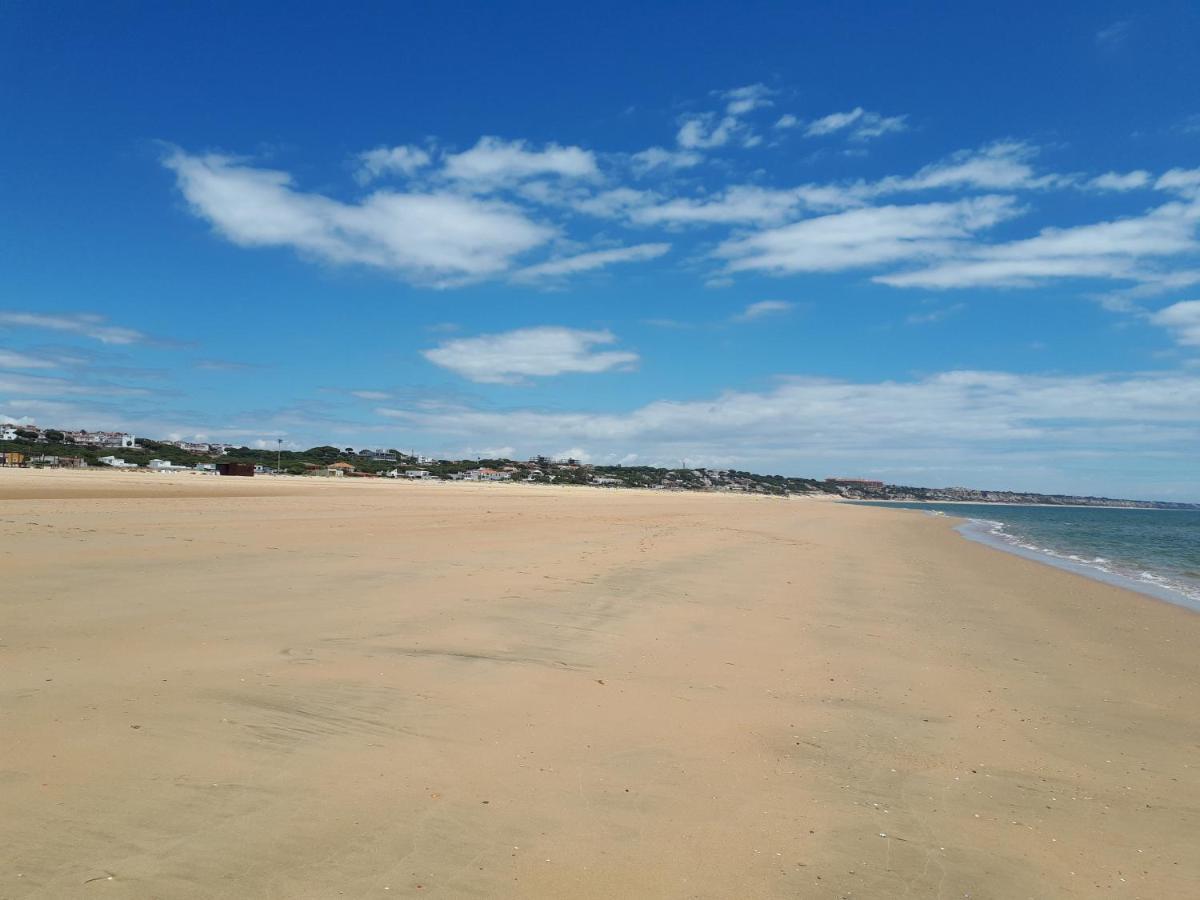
[(210, 449), (94, 439)]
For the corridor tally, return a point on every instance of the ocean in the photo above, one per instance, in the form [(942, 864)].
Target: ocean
[(1153, 551)]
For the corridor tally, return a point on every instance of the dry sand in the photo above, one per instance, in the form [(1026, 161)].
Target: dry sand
[(282, 688)]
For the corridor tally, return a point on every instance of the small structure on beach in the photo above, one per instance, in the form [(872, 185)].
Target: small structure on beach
[(59, 462), (12, 458), (165, 465), (244, 470), (116, 462)]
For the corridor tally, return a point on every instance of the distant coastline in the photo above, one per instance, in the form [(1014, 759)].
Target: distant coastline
[(29, 445)]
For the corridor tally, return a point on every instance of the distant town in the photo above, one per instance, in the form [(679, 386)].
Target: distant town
[(26, 445)]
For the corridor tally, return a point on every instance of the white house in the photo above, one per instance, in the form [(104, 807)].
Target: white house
[(103, 439), (418, 473), (8, 433), (118, 463), (165, 465)]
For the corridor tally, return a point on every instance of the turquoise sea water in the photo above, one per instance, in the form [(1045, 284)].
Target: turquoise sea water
[(1155, 551)]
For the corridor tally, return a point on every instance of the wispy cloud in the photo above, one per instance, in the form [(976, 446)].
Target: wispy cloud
[(11, 359), (224, 365), (938, 314), (959, 419), (866, 237), (494, 159), (1124, 249), (762, 309), (1120, 181), (585, 262), (711, 130), (742, 100), (513, 356), (858, 124), (88, 325), (658, 158), (375, 396), (429, 237), (1182, 320), (1114, 34), (402, 160), (50, 386)]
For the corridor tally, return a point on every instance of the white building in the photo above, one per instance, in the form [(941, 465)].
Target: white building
[(117, 462), (8, 433), (482, 474), (103, 439), (165, 465)]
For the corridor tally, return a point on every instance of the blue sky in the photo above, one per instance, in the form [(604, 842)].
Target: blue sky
[(935, 246)]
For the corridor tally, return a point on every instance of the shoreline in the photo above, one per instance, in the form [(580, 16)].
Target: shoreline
[(976, 530), (1026, 505), (984, 531), (479, 690)]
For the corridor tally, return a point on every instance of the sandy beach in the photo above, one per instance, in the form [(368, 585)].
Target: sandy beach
[(285, 688)]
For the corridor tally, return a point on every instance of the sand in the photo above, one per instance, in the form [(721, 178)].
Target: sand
[(278, 688)]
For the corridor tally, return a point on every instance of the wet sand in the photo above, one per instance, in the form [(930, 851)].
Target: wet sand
[(289, 688)]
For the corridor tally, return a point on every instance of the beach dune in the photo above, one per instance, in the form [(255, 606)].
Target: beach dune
[(234, 688)]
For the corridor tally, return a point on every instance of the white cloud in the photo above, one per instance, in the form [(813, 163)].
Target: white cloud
[(655, 158), (1123, 249), (931, 316), (744, 203), (432, 237), (762, 309), (595, 259), (747, 99), (85, 324), (494, 159), (834, 122), (403, 160), (787, 120), (859, 124), (707, 131), (11, 359), (615, 202), (865, 237), (223, 365), (1114, 35), (1185, 182), (512, 356), (960, 419), (49, 386), (1000, 166), (370, 395), (1183, 320), (1120, 181)]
